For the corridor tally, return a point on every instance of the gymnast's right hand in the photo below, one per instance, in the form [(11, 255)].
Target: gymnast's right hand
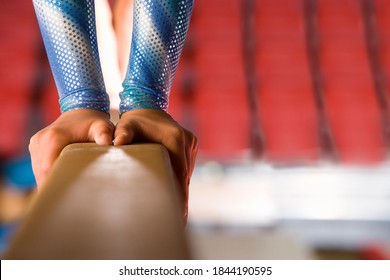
[(80, 125)]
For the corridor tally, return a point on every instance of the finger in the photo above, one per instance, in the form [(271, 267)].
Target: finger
[(191, 148), (52, 143), (194, 152), (180, 166), (178, 156), (175, 142), (124, 132), (187, 150), (167, 134), (158, 127), (191, 151), (101, 132)]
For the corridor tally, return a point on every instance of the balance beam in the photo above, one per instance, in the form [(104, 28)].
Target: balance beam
[(105, 202)]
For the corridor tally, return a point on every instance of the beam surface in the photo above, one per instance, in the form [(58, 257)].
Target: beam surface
[(105, 202)]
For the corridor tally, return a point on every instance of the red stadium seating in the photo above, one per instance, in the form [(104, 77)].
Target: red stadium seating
[(20, 45), (220, 101), (382, 23), (349, 92), (18, 49), (286, 100), (210, 95)]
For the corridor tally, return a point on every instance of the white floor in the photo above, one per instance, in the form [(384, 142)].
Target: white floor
[(312, 206)]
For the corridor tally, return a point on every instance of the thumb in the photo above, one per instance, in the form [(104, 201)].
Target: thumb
[(124, 133), (101, 132)]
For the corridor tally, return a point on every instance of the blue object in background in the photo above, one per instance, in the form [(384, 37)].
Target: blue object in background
[(6, 231), (18, 173)]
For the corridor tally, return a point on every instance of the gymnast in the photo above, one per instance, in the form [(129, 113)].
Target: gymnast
[(69, 34)]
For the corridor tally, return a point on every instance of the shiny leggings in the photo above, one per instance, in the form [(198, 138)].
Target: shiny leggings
[(69, 34)]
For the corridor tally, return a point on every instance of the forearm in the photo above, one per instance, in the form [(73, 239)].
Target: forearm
[(159, 32), (69, 34)]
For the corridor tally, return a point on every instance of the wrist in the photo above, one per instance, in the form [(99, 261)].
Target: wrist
[(134, 99), (86, 99), (82, 113)]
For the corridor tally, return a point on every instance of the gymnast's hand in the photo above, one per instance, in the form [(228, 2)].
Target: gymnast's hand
[(81, 125), (148, 125)]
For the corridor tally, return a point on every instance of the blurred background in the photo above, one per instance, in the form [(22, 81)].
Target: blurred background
[(289, 100)]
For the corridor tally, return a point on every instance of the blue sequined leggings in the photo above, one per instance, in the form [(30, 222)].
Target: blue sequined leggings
[(69, 33)]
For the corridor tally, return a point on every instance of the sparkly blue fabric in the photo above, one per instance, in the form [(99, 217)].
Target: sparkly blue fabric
[(69, 34), (159, 32)]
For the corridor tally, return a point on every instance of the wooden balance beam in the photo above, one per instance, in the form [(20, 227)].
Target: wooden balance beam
[(105, 202)]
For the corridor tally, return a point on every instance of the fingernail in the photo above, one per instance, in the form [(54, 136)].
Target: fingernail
[(101, 139), (117, 138)]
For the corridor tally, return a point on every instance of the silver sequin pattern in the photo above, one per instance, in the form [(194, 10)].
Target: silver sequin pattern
[(69, 33), (159, 32)]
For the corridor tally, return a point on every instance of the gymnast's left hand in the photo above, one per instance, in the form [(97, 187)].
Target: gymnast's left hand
[(156, 126), (76, 126)]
